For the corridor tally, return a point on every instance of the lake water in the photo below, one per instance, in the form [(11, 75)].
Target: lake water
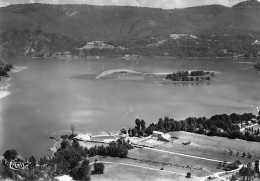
[(52, 94)]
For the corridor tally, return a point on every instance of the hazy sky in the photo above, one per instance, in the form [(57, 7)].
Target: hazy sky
[(165, 4)]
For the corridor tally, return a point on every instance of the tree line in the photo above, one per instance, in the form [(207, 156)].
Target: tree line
[(218, 125), (190, 76)]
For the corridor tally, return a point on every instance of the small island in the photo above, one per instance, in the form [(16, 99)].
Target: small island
[(192, 76), (257, 66), (189, 76), (120, 74)]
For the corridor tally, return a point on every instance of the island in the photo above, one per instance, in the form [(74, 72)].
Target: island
[(197, 75), (188, 76), (120, 74)]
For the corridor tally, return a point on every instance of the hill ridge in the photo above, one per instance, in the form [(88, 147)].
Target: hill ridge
[(124, 25)]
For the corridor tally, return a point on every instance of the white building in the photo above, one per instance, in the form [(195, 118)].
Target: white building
[(162, 136), (83, 137)]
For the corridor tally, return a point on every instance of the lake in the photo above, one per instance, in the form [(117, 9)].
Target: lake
[(52, 94)]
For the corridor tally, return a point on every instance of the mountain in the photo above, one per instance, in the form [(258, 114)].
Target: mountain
[(32, 28), (248, 4)]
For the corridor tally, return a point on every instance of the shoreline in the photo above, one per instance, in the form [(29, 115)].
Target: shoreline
[(5, 81), (130, 56), (17, 69)]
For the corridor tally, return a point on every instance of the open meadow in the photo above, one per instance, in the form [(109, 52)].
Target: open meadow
[(218, 148), (202, 157), (123, 169)]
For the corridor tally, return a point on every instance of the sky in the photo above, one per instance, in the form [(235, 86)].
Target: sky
[(165, 4)]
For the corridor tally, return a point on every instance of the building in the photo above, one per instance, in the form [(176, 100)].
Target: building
[(83, 137), (162, 136), (124, 138)]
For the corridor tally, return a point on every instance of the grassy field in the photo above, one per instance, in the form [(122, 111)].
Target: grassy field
[(116, 172), (172, 162), (212, 147), (215, 148), (91, 144), (256, 127)]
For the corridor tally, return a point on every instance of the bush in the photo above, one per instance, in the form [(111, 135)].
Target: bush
[(10, 155), (98, 168), (188, 175)]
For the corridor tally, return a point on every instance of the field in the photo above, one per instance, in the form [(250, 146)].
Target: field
[(122, 172), (256, 127), (212, 147), (171, 162), (91, 144), (123, 169), (201, 157)]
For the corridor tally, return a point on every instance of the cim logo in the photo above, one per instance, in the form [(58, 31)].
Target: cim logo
[(18, 165)]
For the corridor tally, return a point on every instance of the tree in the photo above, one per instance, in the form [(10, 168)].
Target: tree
[(233, 178), (142, 122), (256, 168), (75, 144), (10, 155), (65, 144), (81, 172), (134, 132), (98, 168), (33, 162), (138, 124), (123, 131), (243, 172), (188, 175)]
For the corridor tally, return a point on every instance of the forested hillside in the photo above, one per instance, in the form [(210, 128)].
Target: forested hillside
[(46, 30)]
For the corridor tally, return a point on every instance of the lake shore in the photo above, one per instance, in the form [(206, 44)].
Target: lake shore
[(5, 81)]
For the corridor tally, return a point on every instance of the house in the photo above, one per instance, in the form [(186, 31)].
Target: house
[(162, 136), (220, 130), (124, 138)]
